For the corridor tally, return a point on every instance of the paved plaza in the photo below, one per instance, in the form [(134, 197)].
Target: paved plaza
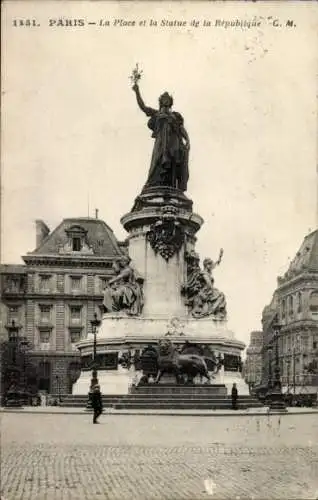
[(61, 457)]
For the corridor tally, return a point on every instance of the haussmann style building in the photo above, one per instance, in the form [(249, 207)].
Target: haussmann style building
[(53, 297), (295, 305)]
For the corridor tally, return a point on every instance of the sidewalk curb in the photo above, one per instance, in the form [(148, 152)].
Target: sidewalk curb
[(162, 413)]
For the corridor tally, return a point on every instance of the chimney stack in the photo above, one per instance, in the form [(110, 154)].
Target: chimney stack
[(96, 213), (42, 231)]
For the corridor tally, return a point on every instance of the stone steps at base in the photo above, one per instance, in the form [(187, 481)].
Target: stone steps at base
[(161, 396), (166, 389), (165, 401), (181, 406), (148, 401), (158, 397)]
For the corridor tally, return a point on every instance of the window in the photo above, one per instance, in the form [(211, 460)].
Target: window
[(76, 244), (281, 344), (305, 341), (103, 283), (45, 313), (299, 303), (45, 282), (76, 282), (44, 372), (13, 284), (314, 344), (75, 314), (75, 335), (313, 305), (291, 306), (13, 314), (283, 309), (45, 335)]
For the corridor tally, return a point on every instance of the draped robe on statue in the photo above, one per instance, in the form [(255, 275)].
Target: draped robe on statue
[(169, 162)]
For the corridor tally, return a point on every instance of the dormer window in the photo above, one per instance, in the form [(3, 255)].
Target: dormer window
[(77, 241), (76, 244)]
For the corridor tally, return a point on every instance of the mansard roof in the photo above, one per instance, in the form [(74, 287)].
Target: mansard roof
[(306, 259), (99, 239)]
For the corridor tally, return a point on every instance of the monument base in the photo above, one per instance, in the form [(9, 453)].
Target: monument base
[(121, 381), (117, 331)]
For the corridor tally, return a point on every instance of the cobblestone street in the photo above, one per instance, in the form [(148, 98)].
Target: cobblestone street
[(62, 457)]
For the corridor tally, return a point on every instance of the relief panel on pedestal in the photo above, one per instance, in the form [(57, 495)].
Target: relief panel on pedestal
[(167, 235)]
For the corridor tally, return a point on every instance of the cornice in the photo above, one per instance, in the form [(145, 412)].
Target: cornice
[(69, 261), (150, 215), (18, 324), (294, 283), (44, 326), (18, 297), (63, 296), (55, 354), (300, 326), (216, 342)]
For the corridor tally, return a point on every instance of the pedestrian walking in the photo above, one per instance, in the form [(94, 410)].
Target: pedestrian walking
[(97, 403), (234, 395)]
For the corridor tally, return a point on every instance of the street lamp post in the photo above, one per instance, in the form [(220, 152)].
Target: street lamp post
[(276, 397), (288, 374), (58, 389), (270, 379), (95, 323), (294, 370), (13, 398)]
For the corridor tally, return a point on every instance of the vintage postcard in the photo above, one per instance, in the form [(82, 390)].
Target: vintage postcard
[(159, 250)]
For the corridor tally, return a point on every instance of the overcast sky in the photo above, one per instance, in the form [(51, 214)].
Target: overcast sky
[(73, 135)]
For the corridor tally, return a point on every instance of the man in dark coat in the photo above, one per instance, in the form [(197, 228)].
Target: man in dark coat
[(97, 403), (234, 395)]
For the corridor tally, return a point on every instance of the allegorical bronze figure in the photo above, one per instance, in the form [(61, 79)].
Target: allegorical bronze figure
[(124, 292), (202, 297), (169, 162)]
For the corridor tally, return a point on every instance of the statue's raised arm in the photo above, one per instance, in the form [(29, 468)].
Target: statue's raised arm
[(146, 109), (135, 77), (218, 262)]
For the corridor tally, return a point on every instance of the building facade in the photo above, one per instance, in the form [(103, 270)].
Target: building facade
[(253, 361), (53, 297), (295, 306)]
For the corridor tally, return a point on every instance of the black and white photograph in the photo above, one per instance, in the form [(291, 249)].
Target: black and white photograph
[(159, 250)]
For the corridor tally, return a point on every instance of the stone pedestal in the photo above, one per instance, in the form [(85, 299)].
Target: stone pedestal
[(164, 215), (162, 229)]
